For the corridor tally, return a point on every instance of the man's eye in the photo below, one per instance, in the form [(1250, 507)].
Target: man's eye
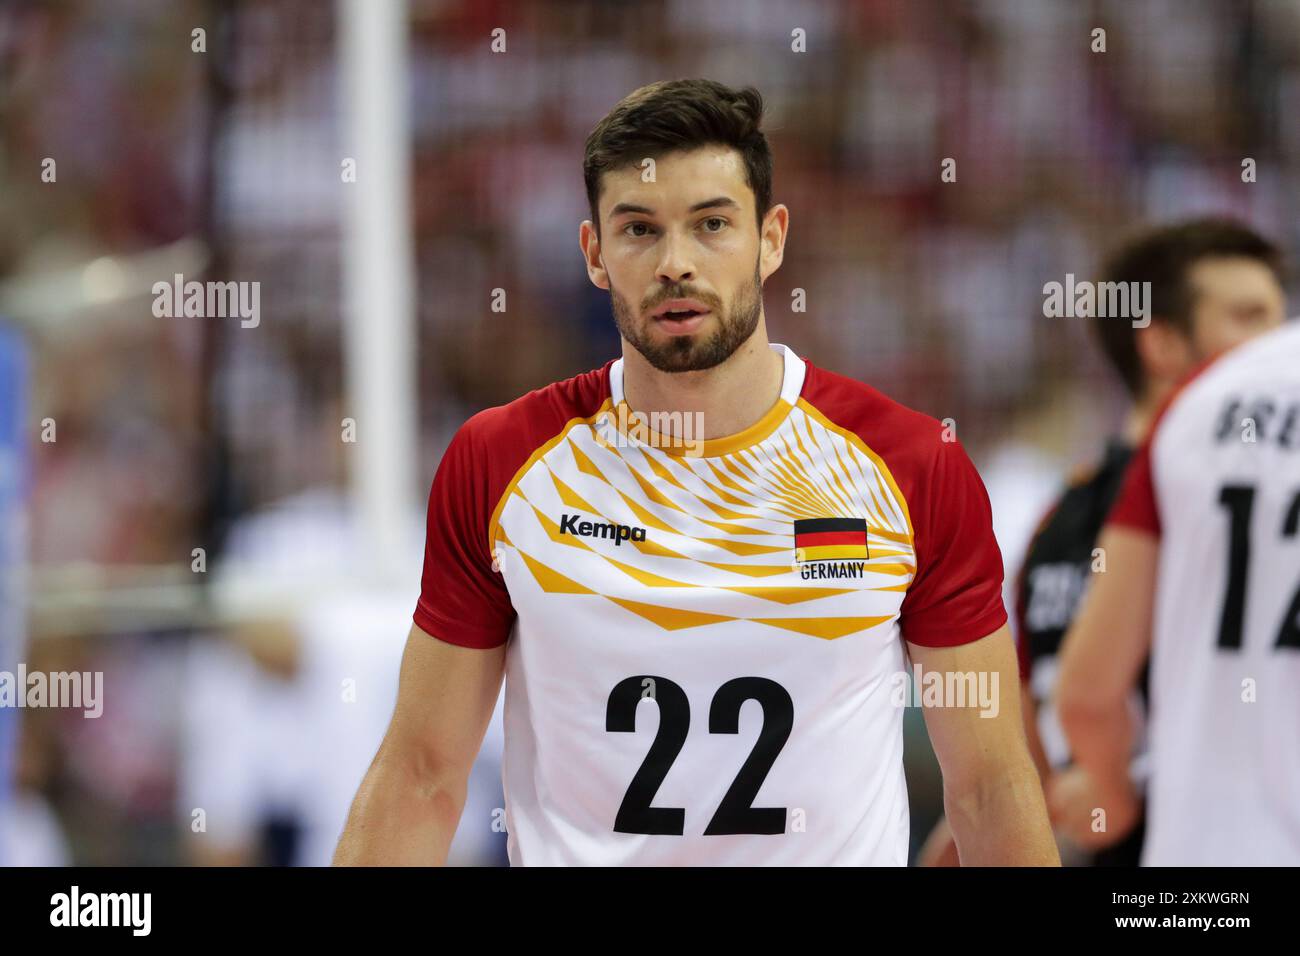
[(718, 219), (633, 225)]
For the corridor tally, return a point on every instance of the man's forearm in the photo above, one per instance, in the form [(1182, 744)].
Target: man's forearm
[(402, 816), (1101, 736), (1002, 821)]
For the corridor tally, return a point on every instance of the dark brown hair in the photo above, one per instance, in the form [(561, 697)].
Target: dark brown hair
[(680, 115), (1164, 257)]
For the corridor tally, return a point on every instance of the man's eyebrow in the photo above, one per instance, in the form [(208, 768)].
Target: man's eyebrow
[(624, 208), (714, 203)]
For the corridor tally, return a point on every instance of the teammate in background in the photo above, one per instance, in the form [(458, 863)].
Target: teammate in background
[(701, 631), (1203, 577), (1214, 283)]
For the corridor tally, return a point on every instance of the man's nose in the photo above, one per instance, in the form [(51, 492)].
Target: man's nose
[(676, 264)]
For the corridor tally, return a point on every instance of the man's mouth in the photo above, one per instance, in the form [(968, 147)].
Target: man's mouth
[(680, 316)]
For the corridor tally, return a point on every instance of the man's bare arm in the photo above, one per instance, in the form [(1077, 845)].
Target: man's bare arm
[(1103, 652), (992, 794), (410, 801), (1101, 660), (940, 849)]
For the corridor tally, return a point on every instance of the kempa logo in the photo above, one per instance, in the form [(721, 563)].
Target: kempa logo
[(208, 300), (1103, 300), (55, 689), (618, 533), (103, 909)]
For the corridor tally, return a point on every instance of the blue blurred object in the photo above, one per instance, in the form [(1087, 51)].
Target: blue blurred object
[(14, 459)]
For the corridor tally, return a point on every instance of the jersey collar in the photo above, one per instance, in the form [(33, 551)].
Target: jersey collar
[(791, 383), (791, 386)]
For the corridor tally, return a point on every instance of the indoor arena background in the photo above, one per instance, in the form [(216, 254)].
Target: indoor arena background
[(182, 507)]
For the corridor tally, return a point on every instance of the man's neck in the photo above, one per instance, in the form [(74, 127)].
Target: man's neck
[(728, 398), (1140, 417)]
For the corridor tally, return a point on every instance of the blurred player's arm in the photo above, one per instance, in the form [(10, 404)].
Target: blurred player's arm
[(410, 801), (1101, 661), (992, 795), (939, 849)]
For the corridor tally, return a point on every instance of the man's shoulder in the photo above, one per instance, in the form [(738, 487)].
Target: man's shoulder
[(886, 426), (535, 417), (955, 595)]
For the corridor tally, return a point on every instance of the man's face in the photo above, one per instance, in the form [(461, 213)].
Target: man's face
[(689, 235), (1236, 298)]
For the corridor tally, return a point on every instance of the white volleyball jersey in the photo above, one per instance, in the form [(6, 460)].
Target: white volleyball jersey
[(1219, 482), (705, 640)]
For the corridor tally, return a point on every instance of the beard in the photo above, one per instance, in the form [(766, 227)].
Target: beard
[(698, 351)]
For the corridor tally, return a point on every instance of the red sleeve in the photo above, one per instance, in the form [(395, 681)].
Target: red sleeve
[(1135, 506), (956, 596), (462, 600)]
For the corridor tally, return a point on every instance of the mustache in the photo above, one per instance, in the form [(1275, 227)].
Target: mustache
[(684, 294)]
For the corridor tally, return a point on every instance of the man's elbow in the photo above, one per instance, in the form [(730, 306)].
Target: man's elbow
[(423, 770), (406, 810), (1079, 697), (973, 793)]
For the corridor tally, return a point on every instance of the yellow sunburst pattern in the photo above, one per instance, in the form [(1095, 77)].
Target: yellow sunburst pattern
[(707, 541)]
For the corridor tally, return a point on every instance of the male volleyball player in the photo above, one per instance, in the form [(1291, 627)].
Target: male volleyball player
[(1203, 576), (701, 631), (1214, 283)]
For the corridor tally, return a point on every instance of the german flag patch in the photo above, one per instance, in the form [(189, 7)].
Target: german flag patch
[(830, 539)]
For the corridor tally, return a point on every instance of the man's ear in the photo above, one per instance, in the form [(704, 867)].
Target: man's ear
[(586, 238)]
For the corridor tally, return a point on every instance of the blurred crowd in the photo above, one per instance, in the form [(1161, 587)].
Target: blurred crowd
[(172, 431)]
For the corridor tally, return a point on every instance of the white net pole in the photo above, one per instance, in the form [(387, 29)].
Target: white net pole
[(378, 278)]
